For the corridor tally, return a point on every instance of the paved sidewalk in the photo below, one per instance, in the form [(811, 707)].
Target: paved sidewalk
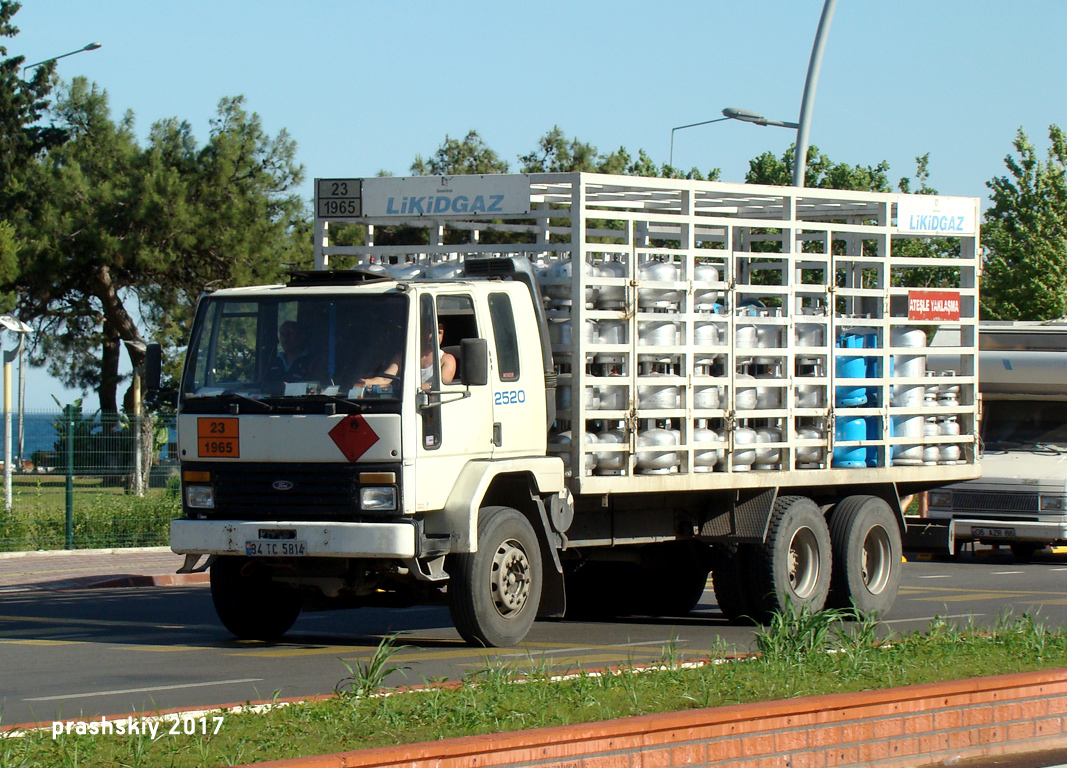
[(86, 568)]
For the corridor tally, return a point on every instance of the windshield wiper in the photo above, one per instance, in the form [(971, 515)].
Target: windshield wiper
[(264, 407), (319, 397)]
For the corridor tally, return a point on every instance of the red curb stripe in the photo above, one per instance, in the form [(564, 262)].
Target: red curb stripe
[(564, 743)]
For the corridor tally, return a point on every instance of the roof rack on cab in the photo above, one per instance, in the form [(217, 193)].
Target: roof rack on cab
[(306, 277)]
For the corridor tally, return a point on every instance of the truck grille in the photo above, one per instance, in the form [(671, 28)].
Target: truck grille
[(987, 501), (277, 491)]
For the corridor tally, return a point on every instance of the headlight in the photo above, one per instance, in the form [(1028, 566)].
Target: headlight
[(200, 496), (939, 498), (1053, 503), (378, 498)]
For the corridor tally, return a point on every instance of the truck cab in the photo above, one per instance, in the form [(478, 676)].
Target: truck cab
[(1021, 498), (306, 408)]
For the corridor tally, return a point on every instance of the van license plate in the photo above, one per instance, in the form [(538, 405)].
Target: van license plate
[(276, 548), (993, 533)]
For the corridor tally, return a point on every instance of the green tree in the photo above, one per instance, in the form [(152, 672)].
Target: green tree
[(470, 155), (117, 224), (22, 138), (556, 153), (1025, 234), (821, 172)]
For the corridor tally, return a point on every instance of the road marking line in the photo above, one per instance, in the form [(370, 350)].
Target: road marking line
[(1006, 573), (103, 623), (931, 618), (145, 690), (938, 576)]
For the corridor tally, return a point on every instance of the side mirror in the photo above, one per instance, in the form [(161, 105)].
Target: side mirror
[(474, 359), (153, 366)]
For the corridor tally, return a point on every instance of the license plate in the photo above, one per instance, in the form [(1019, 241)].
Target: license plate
[(276, 548), (993, 533)]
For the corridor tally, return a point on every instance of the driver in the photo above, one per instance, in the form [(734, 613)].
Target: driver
[(292, 362)]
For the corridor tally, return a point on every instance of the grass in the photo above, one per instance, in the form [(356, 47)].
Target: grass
[(105, 515), (794, 661)]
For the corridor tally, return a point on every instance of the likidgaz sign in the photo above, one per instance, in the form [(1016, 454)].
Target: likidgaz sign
[(446, 195), (936, 215)]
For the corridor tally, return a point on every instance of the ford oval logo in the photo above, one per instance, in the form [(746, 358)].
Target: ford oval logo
[(282, 485)]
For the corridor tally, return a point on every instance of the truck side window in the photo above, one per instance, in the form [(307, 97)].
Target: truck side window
[(455, 322), (429, 378), (507, 342)]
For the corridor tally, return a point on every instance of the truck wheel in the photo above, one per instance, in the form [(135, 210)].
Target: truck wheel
[(494, 593), (865, 537), (248, 602), (669, 581), (676, 588), (1023, 551), (793, 564), (731, 582)]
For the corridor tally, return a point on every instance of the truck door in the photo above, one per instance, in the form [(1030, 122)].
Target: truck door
[(455, 428), (518, 419)]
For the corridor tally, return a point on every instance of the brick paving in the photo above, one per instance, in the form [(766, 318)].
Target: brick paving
[(86, 568)]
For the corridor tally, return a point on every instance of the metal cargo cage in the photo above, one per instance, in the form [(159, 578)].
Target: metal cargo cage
[(710, 335)]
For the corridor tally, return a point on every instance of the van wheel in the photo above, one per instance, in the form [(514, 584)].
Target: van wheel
[(793, 564), (732, 582), (494, 593), (248, 602), (865, 537)]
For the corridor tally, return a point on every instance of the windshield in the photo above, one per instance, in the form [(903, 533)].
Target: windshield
[(348, 347), (1024, 423)]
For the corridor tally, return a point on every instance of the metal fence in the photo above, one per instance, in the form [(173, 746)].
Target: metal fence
[(83, 480)]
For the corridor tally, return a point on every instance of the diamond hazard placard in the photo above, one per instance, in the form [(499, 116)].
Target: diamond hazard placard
[(354, 436)]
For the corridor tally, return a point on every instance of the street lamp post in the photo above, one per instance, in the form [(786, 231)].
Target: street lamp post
[(692, 125), (20, 328), (800, 160), (732, 113), (89, 47), (136, 427)]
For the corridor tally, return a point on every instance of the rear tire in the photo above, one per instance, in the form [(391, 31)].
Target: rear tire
[(865, 537), (793, 564), (248, 602), (494, 593)]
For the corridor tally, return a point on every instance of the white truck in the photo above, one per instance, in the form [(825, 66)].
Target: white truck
[(653, 378), (1021, 498)]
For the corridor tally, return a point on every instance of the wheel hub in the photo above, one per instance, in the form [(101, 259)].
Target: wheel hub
[(803, 563), (511, 576), (876, 566)]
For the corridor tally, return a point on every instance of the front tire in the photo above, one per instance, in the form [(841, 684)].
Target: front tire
[(248, 602), (867, 551), (793, 564), (494, 593)]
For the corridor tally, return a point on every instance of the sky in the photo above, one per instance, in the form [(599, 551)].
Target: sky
[(367, 86)]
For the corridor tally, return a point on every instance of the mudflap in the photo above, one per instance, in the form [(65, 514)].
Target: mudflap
[(553, 595)]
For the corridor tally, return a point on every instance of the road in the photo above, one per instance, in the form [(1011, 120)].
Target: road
[(111, 651)]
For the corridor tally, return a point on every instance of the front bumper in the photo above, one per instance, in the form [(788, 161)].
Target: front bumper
[(397, 540), (1043, 532)]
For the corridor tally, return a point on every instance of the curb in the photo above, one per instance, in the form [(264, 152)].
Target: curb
[(896, 727), (86, 552), (111, 581)]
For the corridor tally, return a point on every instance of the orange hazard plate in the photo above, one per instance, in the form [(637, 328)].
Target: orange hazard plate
[(218, 438)]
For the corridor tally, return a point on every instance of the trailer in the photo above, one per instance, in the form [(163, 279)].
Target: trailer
[(653, 379)]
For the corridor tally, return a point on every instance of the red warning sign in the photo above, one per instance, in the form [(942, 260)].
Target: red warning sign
[(354, 436), (933, 305)]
